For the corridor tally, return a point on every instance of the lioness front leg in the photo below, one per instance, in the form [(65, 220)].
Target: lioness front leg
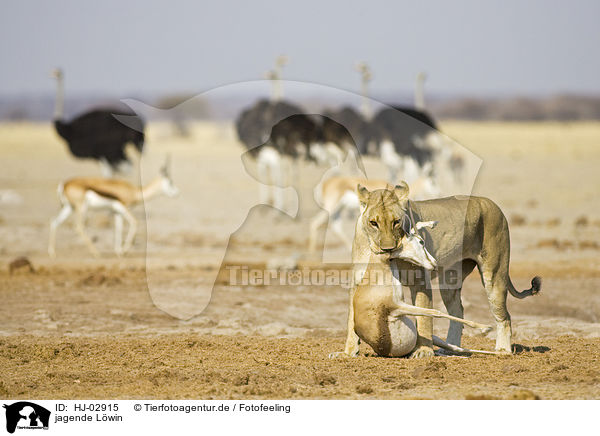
[(450, 290), (421, 297), (352, 340), (352, 344)]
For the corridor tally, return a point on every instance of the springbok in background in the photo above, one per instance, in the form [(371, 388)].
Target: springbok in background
[(83, 193)]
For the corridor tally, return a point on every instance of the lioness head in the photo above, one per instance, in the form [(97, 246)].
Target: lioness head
[(383, 215)]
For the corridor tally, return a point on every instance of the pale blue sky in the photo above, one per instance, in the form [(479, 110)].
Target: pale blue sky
[(467, 47)]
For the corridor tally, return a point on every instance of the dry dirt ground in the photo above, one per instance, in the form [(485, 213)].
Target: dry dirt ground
[(79, 327)]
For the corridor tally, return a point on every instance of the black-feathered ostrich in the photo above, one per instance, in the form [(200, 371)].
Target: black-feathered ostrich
[(255, 123), (254, 126), (274, 131), (400, 134), (355, 125), (98, 134), (410, 143), (293, 133), (405, 127)]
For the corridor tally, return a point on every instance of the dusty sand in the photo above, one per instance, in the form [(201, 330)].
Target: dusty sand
[(81, 327), (171, 366)]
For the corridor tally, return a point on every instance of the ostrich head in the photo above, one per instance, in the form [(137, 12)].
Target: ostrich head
[(59, 104), (57, 73)]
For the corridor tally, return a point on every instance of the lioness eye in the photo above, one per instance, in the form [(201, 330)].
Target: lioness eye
[(396, 222), (373, 223), (422, 242)]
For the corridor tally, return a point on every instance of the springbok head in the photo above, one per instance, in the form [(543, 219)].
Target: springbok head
[(413, 248), (167, 184)]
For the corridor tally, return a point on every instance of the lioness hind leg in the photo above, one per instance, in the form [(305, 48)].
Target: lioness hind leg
[(450, 290), (497, 290), (454, 307)]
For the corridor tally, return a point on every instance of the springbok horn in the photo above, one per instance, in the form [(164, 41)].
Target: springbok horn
[(406, 224)]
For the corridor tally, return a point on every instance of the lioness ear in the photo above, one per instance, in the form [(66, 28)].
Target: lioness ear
[(363, 193), (401, 190), (422, 224)]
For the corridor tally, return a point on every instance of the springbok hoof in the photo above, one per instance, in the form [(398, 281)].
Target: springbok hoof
[(422, 353), (339, 354), (486, 330)]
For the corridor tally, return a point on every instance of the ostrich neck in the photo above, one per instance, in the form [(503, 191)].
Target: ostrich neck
[(59, 104), (275, 90), (277, 85), (419, 95), (366, 104)]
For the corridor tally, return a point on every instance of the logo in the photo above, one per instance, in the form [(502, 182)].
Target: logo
[(26, 415)]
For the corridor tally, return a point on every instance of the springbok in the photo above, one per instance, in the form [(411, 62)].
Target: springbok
[(83, 193)]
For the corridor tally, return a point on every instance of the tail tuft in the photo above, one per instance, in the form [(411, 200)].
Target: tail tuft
[(536, 287)]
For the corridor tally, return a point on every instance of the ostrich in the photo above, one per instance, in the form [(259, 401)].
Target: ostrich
[(254, 127), (357, 126), (275, 77), (409, 141), (401, 136), (420, 92), (365, 78), (254, 124), (354, 125), (400, 133), (446, 156), (98, 134), (274, 132), (294, 133)]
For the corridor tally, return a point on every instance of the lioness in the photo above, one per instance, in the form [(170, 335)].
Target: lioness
[(471, 231), (380, 313)]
